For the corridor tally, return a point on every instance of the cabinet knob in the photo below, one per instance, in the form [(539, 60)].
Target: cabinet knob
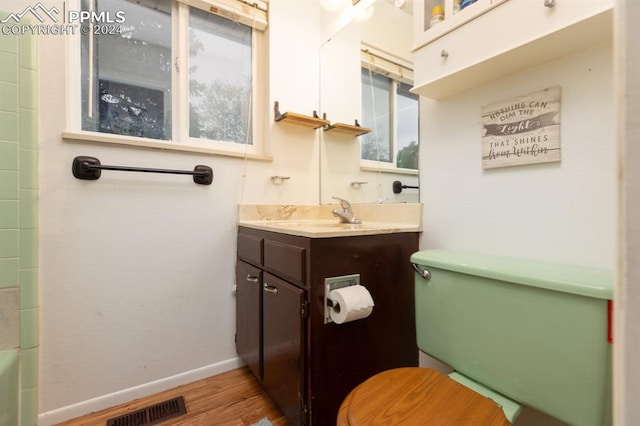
[(549, 3), (252, 279), (444, 54)]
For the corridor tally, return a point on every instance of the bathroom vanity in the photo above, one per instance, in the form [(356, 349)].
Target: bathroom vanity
[(308, 366)]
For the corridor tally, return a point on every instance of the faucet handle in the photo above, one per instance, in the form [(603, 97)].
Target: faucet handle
[(346, 206)]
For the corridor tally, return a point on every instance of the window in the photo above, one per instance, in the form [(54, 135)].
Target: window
[(392, 112), (126, 76), (179, 73), (219, 78)]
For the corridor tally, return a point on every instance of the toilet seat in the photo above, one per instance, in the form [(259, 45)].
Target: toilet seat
[(417, 396)]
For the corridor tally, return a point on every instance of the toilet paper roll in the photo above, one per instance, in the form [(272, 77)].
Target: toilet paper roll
[(350, 304)]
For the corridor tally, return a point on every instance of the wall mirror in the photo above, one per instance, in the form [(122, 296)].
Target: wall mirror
[(365, 75)]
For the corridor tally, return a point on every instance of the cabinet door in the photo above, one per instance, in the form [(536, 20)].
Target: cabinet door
[(283, 328), (248, 306)]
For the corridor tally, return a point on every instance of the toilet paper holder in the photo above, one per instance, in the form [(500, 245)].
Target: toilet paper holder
[(333, 283)]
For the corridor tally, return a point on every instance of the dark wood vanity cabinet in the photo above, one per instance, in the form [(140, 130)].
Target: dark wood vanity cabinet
[(271, 317), (306, 366)]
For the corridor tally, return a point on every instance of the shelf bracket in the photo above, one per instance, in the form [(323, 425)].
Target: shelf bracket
[(276, 111), (313, 120)]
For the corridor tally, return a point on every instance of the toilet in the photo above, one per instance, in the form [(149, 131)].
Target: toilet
[(516, 333)]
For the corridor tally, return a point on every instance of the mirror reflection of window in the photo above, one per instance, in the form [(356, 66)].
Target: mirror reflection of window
[(391, 110), (407, 130), (376, 115)]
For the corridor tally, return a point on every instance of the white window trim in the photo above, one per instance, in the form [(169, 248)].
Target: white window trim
[(397, 69), (384, 167), (180, 139)]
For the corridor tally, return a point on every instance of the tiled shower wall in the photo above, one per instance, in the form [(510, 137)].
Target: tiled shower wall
[(19, 304)]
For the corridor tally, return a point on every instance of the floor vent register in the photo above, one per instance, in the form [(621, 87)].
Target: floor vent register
[(151, 415)]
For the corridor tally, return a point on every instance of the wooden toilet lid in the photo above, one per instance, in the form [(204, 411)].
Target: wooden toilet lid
[(417, 396)]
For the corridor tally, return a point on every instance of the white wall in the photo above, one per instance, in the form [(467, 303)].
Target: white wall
[(137, 269), (561, 212)]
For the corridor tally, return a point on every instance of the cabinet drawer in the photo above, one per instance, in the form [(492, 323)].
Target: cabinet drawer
[(509, 38), (250, 248), (285, 259)]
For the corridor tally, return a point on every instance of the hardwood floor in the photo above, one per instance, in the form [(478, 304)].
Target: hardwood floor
[(234, 398)]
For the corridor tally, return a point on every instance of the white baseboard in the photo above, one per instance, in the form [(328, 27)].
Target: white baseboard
[(103, 402)]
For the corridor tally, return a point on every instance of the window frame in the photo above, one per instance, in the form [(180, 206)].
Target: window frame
[(179, 139), (397, 70)]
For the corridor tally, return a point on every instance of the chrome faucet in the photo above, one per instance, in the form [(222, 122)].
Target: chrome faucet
[(346, 214)]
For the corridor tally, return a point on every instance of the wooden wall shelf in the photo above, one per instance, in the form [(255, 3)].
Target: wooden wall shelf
[(302, 120), (350, 129)]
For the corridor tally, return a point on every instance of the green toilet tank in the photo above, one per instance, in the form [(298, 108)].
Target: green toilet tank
[(535, 332)]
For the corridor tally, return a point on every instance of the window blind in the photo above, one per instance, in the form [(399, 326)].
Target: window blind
[(253, 13), (386, 64)]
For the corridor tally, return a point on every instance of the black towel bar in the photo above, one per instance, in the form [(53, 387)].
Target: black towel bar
[(90, 168), (398, 187)]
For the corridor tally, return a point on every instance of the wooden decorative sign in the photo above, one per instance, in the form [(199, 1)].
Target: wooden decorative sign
[(523, 130)]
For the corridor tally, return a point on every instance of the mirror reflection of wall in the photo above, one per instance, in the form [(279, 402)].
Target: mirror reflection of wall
[(365, 75)]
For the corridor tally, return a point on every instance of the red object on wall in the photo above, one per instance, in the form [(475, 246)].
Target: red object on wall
[(610, 321)]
